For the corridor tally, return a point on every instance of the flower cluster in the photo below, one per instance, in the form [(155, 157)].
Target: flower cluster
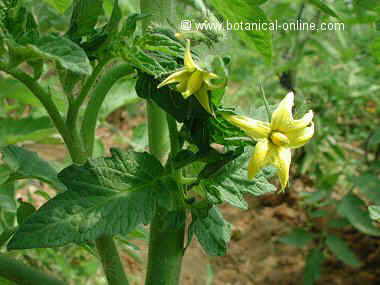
[(275, 139)]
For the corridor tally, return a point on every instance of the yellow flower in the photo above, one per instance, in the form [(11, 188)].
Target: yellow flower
[(192, 80), (276, 139)]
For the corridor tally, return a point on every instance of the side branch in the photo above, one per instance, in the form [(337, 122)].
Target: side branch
[(21, 274)]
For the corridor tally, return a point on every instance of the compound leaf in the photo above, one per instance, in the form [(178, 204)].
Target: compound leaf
[(106, 196)]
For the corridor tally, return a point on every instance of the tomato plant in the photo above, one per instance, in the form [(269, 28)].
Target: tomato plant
[(202, 153)]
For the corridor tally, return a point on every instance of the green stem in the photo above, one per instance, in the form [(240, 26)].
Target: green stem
[(157, 131), (105, 245), (167, 230), (108, 253), (265, 102), (46, 100), (73, 112), (109, 256), (24, 275), (99, 94), (166, 248)]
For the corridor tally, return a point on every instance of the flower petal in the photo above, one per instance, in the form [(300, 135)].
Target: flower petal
[(175, 77), (181, 87), (203, 99), (282, 163), (300, 137), (254, 128), (194, 83), (207, 77), (258, 158), (188, 59), (305, 121), (282, 116)]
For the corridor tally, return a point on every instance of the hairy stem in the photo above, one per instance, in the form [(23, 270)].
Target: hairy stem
[(97, 98), (108, 253), (46, 100), (24, 275), (167, 230), (109, 256), (166, 248), (105, 245), (73, 112)]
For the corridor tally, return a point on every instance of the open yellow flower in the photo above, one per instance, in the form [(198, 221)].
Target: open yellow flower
[(277, 138), (192, 80)]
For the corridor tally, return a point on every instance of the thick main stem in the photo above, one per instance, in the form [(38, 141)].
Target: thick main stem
[(167, 230)]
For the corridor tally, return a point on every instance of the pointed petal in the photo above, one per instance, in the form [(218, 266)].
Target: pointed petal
[(207, 77), (254, 128), (300, 137), (282, 163), (175, 77), (193, 84), (305, 121), (181, 87), (258, 159), (189, 62), (203, 98), (282, 116)]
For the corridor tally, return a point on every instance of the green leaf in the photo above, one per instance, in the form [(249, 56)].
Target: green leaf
[(157, 53), (231, 183), (324, 7), (113, 24), (85, 16), (338, 223), (374, 212), (24, 211), (109, 196), (247, 12), (13, 131), (130, 24), (5, 236), (313, 266), (7, 203), (26, 164), (341, 250), (57, 48), (367, 4), (369, 186), (60, 5), (5, 173), (298, 238), (355, 210), (212, 232)]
